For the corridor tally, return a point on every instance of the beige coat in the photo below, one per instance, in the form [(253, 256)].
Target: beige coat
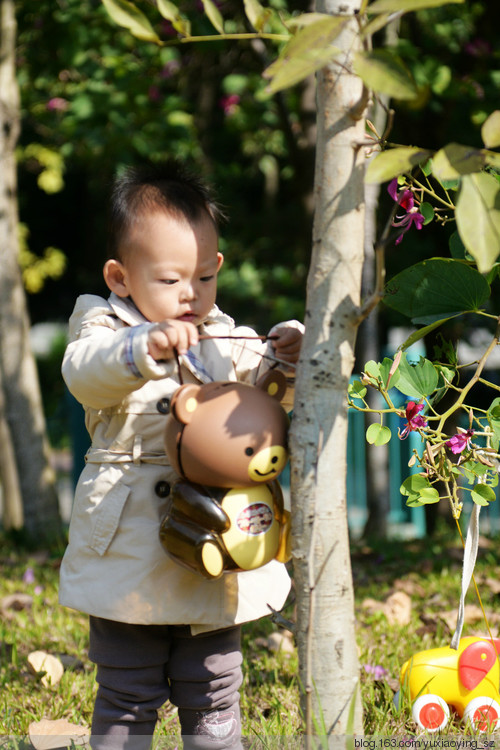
[(114, 566)]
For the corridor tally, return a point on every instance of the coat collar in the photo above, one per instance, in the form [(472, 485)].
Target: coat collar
[(125, 309)]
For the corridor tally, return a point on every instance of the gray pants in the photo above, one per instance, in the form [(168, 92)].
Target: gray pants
[(140, 667)]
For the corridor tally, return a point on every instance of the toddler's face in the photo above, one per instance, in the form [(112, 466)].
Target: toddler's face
[(169, 268)]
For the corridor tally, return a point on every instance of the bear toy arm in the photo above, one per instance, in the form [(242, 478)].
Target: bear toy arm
[(199, 506), (191, 530)]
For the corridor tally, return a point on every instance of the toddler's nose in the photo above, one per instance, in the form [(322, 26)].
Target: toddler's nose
[(189, 292)]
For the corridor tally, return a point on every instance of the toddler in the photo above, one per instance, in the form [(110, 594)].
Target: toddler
[(158, 632)]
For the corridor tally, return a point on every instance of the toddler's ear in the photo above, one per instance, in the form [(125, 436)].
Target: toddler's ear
[(115, 277)]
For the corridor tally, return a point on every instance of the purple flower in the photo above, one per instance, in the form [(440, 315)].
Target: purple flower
[(29, 576), (406, 200), (154, 94), (478, 48), (167, 29), (376, 670), (170, 68), (229, 103), (57, 104), (460, 441), (413, 419)]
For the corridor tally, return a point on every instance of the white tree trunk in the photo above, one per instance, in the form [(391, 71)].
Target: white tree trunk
[(326, 636), (22, 407)]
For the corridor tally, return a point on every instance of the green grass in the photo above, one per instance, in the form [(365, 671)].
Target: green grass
[(430, 571)]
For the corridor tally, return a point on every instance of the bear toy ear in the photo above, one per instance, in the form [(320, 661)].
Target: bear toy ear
[(185, 402), (273, 383)]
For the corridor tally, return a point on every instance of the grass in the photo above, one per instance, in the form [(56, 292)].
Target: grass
[(427, 572)]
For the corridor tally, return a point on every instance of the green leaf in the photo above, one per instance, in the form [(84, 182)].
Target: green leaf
[(384, 72), (417, 380), (305, 19), (171, 12), (478, 218), (419, 491), (457, 247), (378, 434), (404, 6), (455, 160), (214, 15), (420, 333), (356, 389), (436, 289), (127, 15), (380, 371), (428, 496), (308, 51), (393, 162), (427, 211), (256, 14), (490, 131), (482, 494), (375, 24), (493, 416)]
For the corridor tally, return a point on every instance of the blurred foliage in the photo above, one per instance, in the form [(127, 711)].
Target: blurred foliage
[(94, 99), (97, 99)]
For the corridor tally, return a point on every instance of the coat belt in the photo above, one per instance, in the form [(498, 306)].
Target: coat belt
[(136, 456)]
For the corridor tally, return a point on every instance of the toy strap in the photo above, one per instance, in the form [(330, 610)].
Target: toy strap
[(470, 555), (272, 337)]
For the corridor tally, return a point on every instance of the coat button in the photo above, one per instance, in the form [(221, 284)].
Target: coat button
[(162, 488), (163, 405)]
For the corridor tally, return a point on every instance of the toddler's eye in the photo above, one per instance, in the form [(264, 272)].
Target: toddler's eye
[(206, 278), (169, 282)]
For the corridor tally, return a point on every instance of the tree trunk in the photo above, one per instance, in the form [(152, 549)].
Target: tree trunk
[(326, 635), (23, 413)]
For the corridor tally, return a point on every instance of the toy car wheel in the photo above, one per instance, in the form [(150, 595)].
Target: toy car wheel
[(483, 713), (430, 712)]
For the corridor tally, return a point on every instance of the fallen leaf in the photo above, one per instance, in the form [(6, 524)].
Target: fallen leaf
[(48, 735), (397, 608), (41, 661), (410, 587), (281, 641), (472, 614), (493, 585), (277, 641), (15, 603)]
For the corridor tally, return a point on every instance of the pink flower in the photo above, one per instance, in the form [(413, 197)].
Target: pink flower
[(154, 94), (57, 104), (29, 576), (478, 48), (376, 670), (170, 68), (229, 103), (406, 200), (167, 29), (413, 419), (460, 441)]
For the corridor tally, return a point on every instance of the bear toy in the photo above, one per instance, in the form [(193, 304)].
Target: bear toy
[(228, 442)]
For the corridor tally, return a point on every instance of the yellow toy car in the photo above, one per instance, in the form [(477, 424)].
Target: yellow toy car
[(467, 679)]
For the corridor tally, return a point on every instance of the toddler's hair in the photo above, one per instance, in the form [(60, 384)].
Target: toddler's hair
[(168, 187)]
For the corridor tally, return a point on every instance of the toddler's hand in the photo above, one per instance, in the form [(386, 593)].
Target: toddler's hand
[(287, 344), (168, 335)]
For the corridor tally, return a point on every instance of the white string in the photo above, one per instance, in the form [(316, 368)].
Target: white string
[(470, 555)]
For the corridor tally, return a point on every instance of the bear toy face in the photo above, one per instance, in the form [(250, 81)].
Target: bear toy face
[(229, 434)]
